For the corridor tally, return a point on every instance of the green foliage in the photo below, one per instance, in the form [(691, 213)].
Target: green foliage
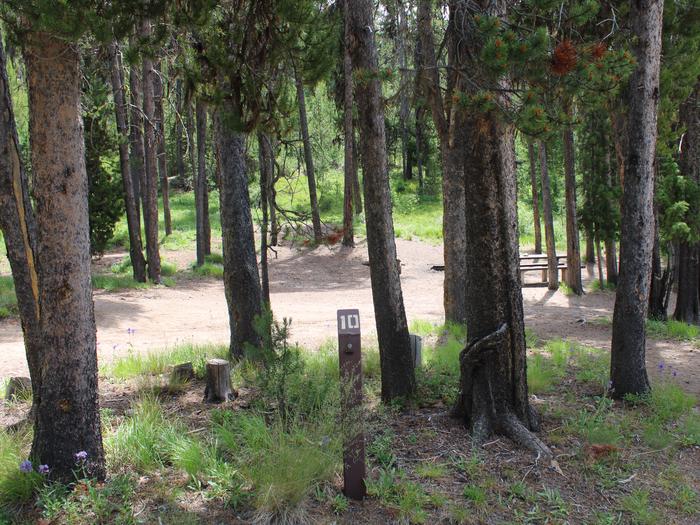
[(639, 507), (16, 487), (394, 490), (8, 299), (672, 329), (208, 270)]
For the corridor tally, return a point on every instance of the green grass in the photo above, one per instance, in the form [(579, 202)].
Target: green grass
[(672, 330), (157, 362), (639, 508), (15, 487), (8, 299), (209, 269)]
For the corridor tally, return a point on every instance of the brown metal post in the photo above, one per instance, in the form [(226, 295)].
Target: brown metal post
[(349, 355)]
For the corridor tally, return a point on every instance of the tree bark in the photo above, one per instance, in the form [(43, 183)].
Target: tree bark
[(449, 122), (611, 260), (356, 186), (535, 196), (66, 401), (404, 110), (150, 193), (138, 154), (308, 159), (191, 144), (265, 156), (573, 249), (552, 272), (349, 130), (688, 299), (158, 95), (628, 373), (200, 184), (241, 278), (179, 146), (397, 367), (18, 226), (138, 262), (218, 389)]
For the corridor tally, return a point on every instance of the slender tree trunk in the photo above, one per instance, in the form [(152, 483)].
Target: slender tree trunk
[(552, 272), (66, 404), (138, 154), (628, 368), (272, 197), (590, 250), (191, 143), (18, 226), (420, 150), (397, 365), (573, 249), (158, 95), (404, 110), (200, 183), (688, 299), (150, 200), (356, 186), (601, 280), (241, 277), (265, 156), (611, 260), (535, 196), (659, 277), (179, 146), (349, 168), (308, 159), (138, 262)]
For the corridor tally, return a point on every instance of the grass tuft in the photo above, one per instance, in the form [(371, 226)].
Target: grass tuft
[(154, 363)]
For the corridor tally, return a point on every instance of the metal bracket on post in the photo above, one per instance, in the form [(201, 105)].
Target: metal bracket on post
[(350, 357)]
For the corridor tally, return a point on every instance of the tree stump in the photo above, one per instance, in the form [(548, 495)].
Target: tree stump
[(416, 349), (182, 373), (18, 388), (218, 387)]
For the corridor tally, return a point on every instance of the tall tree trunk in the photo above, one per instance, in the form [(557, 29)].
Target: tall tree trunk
[(137, 158), (535, 196), (241, 278), (158, 94), (452, 143), (404, 110), (573, 249), (590, 250), (308, 159), (493, 393), (688, 299), (356, 186), (552, 272), (660, 277), (67, 417), (179, 146), (396, 361), (191, 143), (200, 183), (611, 260), (18, 226), (601, 279), (138, 262), (265, 156), (349, 168), (628, 373), (150, 192), (272, 197)]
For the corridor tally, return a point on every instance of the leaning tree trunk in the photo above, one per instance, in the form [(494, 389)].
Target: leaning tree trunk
[(18, 226), (150, 192), (688, 299), (137, 158), (158, 95), (628, 373), (397, 366), (200, 183), (308, 159), (67, 416), (138, 263), (348, 233), (241, 278), (535, 196), (573, 249), (552, 272)]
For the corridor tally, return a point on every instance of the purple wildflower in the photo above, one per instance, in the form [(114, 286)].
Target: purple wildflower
[(26, 466), (661, 366), (81, 456), (43, 469), (675, 373), (131, 331)]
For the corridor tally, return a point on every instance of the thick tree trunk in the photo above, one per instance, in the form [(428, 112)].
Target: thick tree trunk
[(628, 373), (241, 277), (573, 249), (552, 272), (158, 95), (265, 156), (349, 130), (150, 192), (138, 262), (590, 249), (138, 154), (200, 184), (535, 196), (18, 226), (397, 367), (308, 159), (688, 300), (67, 417)]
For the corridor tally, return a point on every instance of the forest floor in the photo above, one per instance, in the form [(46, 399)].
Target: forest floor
[(308, 285)]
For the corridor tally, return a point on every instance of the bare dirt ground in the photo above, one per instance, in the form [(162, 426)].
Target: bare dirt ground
[(309, 285)]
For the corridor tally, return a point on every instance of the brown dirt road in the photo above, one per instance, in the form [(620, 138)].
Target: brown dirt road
[(309, 285)]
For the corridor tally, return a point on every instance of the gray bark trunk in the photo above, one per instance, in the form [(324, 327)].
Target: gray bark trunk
[(535, 196), (349, 130), (552, 272), (397, 366), (138, 262), (66, 403), (628, 373), (201, 188), (137, 158), (265, 156), (179, 146), (158, 95), (573, 249)]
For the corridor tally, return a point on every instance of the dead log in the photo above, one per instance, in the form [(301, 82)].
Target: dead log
[(18, 388), (218, 387)]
